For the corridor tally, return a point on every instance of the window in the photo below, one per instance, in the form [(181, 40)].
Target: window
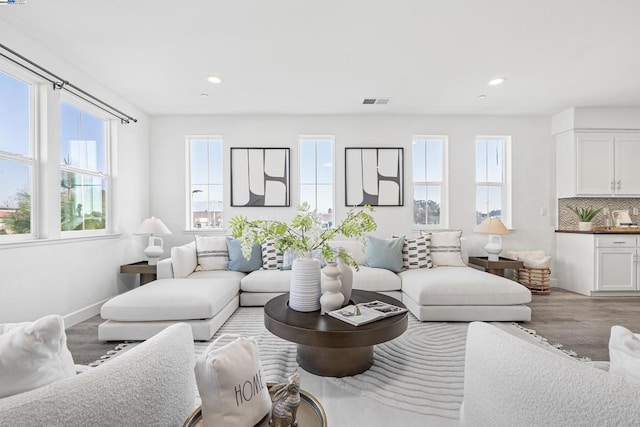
[(429, 181), (493, 178), (316, 175), (17, 160), (84, 169), (205, 186)]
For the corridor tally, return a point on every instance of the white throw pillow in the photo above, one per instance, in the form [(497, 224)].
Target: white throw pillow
[(212, 252), (184, 261), (231, 383), (355, 248), (446, 248), (624, 353), (33, 354)]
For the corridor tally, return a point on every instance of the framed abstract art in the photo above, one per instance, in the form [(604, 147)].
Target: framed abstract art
[(374, 176), (260, 177)]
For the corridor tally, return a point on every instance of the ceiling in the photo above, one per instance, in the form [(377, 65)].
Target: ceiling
[(324, 57)]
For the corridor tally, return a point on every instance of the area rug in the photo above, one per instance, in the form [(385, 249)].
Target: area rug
[(421, 371)]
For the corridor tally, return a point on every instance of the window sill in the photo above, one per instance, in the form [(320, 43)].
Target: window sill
[(220, 231), (56, 241)]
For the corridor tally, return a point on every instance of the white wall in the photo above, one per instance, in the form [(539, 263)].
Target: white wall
[(532, 155), (72, 277)]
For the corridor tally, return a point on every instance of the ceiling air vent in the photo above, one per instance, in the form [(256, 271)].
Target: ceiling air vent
[(372, 101)]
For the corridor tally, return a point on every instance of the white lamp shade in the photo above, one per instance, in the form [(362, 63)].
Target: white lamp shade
[(492, 226), (152, 227)]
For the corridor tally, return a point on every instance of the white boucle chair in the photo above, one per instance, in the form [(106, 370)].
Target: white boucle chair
[(152, 384), (511, 381)]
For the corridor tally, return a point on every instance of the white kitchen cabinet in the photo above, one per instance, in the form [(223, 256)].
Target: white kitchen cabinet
[(598, 264), (597, 164), (616, 263)]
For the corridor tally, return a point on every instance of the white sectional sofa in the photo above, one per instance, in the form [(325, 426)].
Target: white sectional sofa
[(432, 294)]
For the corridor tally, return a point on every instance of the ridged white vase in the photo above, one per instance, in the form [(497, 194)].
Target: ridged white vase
[(304, 292), (331, 298), (346, 279)]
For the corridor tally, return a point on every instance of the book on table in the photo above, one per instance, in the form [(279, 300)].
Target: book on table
[(366, 312)]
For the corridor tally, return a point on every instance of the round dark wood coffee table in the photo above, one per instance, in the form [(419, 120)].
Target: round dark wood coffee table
[(330, 347)]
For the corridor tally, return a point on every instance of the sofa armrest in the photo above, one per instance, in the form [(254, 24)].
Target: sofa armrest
[(152, 384), (509, 381), (164, 269)]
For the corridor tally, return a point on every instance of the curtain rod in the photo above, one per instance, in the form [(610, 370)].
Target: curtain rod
[(60, 83)]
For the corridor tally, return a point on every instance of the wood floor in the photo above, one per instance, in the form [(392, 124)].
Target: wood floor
[(577, 322), (582, 323)]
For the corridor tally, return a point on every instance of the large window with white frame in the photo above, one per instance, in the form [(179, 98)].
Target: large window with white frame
[(205, 207), (84, 168), (316, 175), (430, 181), (17, 157), (493, 176)]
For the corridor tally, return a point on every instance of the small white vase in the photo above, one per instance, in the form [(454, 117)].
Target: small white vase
[(331, 298), (304, 292), (346, 278), (585, 226)]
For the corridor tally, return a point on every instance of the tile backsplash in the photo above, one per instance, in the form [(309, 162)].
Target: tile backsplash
[(567, 220)]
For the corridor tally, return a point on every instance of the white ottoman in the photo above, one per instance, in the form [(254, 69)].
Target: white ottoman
[(142, 312)]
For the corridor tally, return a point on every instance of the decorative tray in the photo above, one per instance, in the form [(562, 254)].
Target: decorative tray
[(310, 412)]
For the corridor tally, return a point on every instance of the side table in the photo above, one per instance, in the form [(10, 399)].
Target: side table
[(148, 273), (495, 267)]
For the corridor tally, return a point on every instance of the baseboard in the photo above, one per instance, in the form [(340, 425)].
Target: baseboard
[(83, 314)]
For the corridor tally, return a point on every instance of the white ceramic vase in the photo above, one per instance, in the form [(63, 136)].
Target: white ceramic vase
[(304, 292), (585, 226), (331, 298), (346, 279)]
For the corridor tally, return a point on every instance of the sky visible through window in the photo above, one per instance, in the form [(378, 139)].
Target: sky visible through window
[(489, 177), (206, 183), (14, 137), (316, 173)]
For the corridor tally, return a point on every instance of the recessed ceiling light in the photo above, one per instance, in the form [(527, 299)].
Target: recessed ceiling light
[(482, 97), (497, 81), (214, 79), (204, 95)]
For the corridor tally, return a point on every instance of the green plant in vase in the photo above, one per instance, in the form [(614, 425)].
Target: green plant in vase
[(304, 234), (585, 216)]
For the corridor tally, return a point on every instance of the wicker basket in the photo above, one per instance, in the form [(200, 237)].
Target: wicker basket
[(536, 279)]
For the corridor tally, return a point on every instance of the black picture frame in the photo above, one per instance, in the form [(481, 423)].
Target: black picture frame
[(374, 176), (260, 177)]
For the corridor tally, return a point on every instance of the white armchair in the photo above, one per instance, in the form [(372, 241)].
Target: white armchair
[(509, 381), (152, 384)]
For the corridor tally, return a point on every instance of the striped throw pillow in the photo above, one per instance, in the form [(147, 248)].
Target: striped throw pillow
[(212, 252), (415, 253), (272, 259), (446, 248)]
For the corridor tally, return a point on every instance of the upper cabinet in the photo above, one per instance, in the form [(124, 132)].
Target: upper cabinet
[(597, 152), (598, 164)]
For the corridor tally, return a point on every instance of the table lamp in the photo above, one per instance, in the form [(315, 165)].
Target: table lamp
[(153, 227), (494, 228)]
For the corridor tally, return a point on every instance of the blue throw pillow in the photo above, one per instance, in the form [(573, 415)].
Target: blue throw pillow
[(237, 261), (387, 254)]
